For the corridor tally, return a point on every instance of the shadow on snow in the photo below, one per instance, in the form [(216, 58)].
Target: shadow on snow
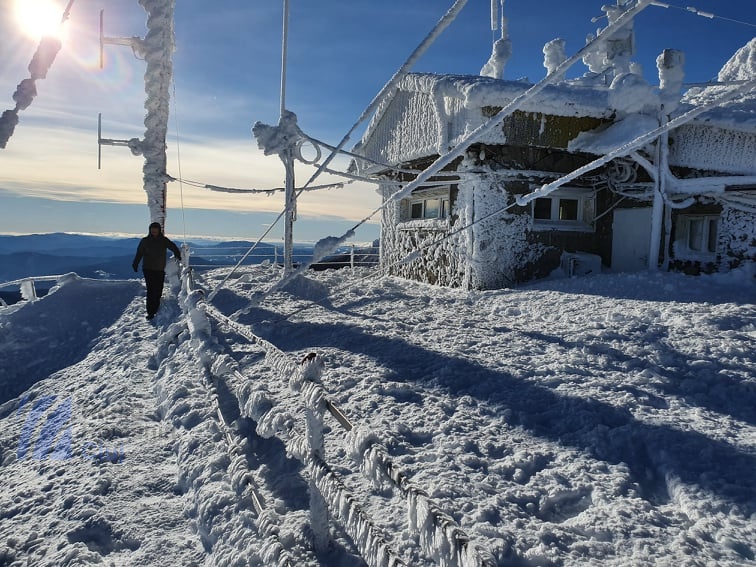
[(56, 331), (653, 453)]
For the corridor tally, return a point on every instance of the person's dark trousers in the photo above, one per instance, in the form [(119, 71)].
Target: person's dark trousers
[(154, 280)]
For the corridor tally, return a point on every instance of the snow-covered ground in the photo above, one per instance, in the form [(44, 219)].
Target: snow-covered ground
[(607, 420)]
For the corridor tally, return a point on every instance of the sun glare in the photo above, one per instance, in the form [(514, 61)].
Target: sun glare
[(38, 18)]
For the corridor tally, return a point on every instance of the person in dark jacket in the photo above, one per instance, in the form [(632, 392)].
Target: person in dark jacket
[(152, 250)]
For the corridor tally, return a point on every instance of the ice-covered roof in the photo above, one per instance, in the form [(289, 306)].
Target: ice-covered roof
[(430, 113), (739, 114), (477, 92)]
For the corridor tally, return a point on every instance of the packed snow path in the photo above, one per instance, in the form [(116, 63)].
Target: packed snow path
[(112, 494), (603, 421)]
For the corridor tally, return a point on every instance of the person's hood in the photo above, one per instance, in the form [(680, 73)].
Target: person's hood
[(154, 225)]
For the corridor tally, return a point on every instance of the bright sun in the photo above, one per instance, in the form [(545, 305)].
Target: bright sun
[(37, 18)]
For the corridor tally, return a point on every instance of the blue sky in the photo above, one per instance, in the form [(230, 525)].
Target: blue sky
[(227, 76)]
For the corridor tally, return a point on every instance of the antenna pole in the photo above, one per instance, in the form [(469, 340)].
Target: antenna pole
[(287, 157), (284, 54), (99, 139), (102, 38)]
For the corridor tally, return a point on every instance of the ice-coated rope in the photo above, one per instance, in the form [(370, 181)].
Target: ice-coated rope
[(701, 13), (195, 312)]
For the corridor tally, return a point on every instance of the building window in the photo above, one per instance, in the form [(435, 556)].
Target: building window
[(565, 209), (696, 235), (430, 206)]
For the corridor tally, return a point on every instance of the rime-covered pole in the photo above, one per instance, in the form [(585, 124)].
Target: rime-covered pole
[(671, 75), (27, 89), (158, 46)]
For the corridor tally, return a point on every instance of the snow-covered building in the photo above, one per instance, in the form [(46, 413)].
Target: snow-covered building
[(477, 223)]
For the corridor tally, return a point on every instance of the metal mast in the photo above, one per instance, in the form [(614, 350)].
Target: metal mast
[(156, 49)]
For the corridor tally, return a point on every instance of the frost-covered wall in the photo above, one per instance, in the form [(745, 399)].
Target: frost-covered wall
[(737, 238), (498, 248), (493, 253), (712, 148), (442, 263)]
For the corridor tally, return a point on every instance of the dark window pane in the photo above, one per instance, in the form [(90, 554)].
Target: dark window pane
[(695, 234), (542, 209), (416, 211), (568, 209), (712, 235)]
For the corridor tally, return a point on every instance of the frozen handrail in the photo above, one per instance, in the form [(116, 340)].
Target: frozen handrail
[(26, 286), (274, 421), (241, 478), (441, 537), (31, 278)]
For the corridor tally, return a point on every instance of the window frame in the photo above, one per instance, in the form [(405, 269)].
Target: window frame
[(586, 202), (683, 234), (439, 196)]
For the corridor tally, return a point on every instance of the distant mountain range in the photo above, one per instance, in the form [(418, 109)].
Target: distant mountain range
[(103, 257)]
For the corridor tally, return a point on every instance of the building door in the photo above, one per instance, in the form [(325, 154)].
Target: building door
[(631, 239)]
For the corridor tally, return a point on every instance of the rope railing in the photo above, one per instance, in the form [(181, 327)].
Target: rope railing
[(440, 536), (27, 286), (192, 304), (367, 537)]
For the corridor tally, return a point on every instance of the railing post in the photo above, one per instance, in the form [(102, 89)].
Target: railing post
[(28, 292), (185, 252), (351, 257), (309, 373)]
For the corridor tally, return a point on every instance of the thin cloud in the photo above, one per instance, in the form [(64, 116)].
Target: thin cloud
[(61, 164)]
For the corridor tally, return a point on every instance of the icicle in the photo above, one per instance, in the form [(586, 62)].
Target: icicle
[(28, 292), (223, 366), (257, 405)]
